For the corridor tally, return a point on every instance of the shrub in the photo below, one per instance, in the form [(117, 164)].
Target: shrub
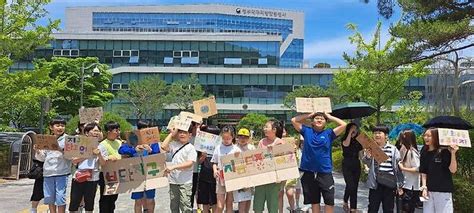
[(463, 195), (125, 126)]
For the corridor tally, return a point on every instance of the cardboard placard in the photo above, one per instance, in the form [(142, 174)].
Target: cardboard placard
[(46, 142), (131, 175), (367, 143), (259, 167), (131, 138), (79, 146), (172, 122), (206, 107), (290, 140), (193, 117), (458, 137), (206, 142), (309, 105), (148, 135), (88, 115), (182, 123)]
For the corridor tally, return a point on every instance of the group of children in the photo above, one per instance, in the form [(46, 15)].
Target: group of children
[(198, 176)]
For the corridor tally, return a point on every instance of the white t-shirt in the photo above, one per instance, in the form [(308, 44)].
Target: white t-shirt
[(90, 163), (187, 153), (222, 150)]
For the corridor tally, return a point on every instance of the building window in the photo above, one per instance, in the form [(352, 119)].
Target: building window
[(124, 87), (116, 86), (126, 53), (66, 52)]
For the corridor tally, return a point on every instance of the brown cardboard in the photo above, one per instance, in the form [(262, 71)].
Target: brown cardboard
[(367, 143), (309, 105), (79, 146), (259, 167), (88, 115), (46, 142), (148, 135), (206, 107), (130, 175)]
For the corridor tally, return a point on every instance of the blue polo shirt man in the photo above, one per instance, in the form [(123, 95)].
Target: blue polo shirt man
[(316, 160)]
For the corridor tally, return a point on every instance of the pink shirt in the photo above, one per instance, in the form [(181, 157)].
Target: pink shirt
[(266, 142)]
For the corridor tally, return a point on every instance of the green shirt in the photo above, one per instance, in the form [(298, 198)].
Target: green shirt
[(112, 147)]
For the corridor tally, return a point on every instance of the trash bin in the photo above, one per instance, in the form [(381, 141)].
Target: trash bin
[(15, 154)]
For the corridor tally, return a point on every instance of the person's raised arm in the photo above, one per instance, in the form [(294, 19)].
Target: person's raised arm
[(298, 120), (166, 143), (341, 125), (347, 140), (453, 166)]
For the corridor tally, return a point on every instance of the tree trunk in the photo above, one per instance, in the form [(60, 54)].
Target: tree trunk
[(378, 115), (456, 87)]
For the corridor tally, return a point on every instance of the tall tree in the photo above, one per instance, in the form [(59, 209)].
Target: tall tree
[(19, 32), (374, 77), (183, 93), (431, 28), (146, 97), (96, 87), (21, 95)]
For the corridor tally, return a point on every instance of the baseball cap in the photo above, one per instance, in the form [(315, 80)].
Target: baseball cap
[(244, 132)]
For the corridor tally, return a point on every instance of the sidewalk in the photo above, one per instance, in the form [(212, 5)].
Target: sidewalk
[(15, 196)]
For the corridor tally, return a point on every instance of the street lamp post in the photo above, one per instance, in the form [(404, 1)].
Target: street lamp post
[(95, 71)]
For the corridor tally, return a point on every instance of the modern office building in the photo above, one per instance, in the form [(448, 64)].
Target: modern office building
[(249, 58)]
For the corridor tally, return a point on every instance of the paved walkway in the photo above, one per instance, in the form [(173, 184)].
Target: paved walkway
[(15, 195)]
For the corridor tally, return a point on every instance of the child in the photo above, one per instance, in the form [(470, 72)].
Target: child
[(316, 161), (109, 151), (206, 192), (273, 132), (227, 147), (180, 170), (56, 169), (243, 196), (293, 187), (86, 189), (144, 201)]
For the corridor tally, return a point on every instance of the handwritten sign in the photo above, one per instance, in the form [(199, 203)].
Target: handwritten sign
[(206, 142), (171, 123), (205, 107), (148, 135), (458, 137), (88, 115), (46, 142), (259, 167), (367, 143), (193, 117), (308, 105), (134, 175), (182, 123), (79, 146)]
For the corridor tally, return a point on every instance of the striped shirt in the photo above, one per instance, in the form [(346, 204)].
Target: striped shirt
[(387, 165)]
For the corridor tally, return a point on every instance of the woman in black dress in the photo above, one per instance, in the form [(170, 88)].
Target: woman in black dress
[(351, 166)]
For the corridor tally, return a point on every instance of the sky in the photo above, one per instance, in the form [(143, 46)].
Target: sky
[(326, 35)]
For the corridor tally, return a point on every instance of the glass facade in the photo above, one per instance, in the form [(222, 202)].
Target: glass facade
[(189, 22), (119, 53), (203, 23)]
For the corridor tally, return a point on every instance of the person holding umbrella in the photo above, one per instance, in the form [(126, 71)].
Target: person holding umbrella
[(436, 167)]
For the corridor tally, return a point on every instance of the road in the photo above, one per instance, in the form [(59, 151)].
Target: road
[(15, 195)]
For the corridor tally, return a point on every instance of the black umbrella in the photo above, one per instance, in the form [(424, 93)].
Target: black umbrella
[(352, 110), (449, 122)]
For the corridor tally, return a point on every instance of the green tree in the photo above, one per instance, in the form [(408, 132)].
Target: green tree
[(322, 65), (182, 93), (255, 122), (307, 91), (68, 71), (430, 28), (375, 78), (413, 111), (19, 32), (146, 97), (125, 126), (21, 94)]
